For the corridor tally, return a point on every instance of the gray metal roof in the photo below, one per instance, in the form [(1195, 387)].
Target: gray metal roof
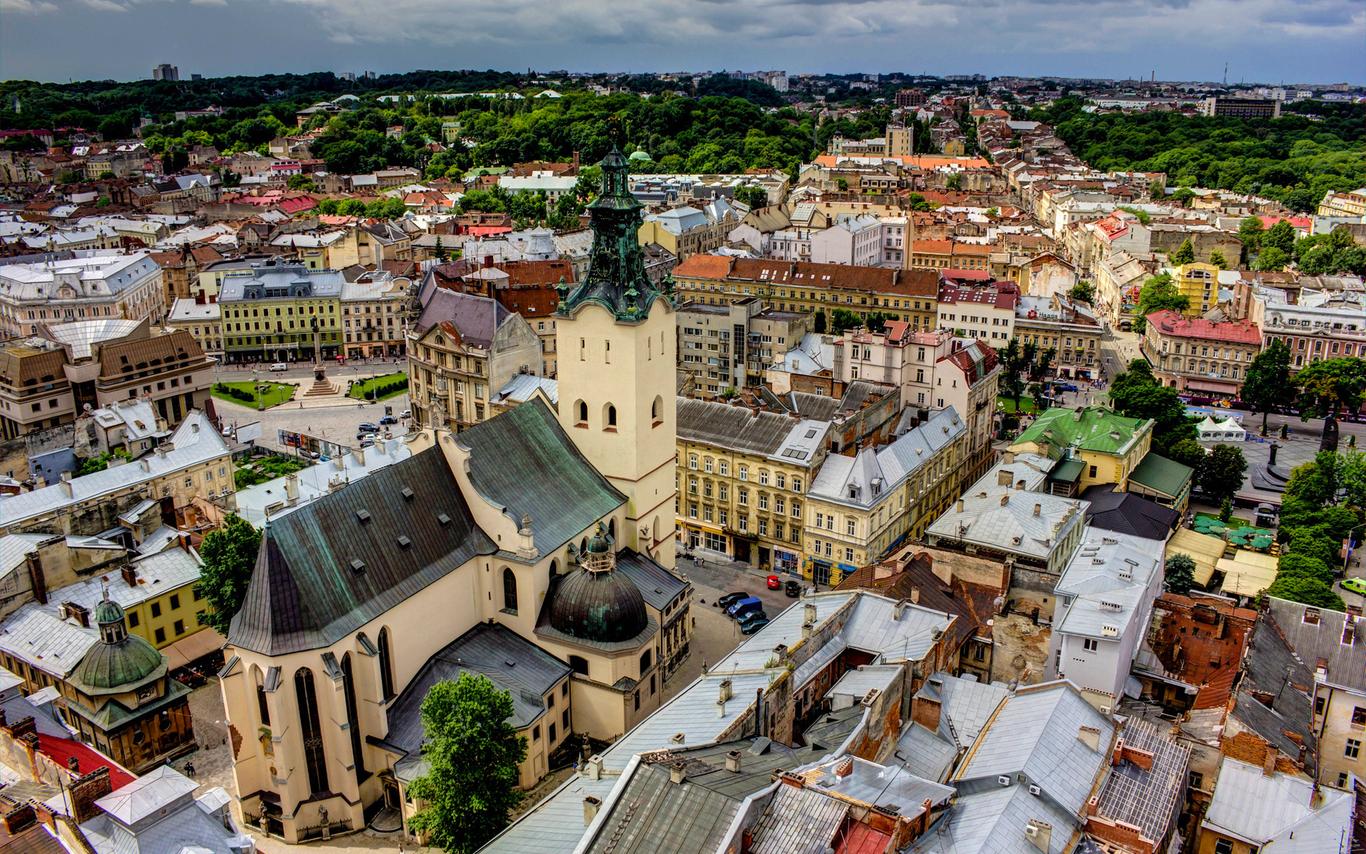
[(755, 431), (523, 461), (1002, 517), (1109, 576), (993, 821), (798, 821), (1251, 805), (863, 480), (966, 703), (1035, 732), (476, 318), (658, 587), (159, 813), (335, 564), (924, 753), (514, 665), (1321, 641)]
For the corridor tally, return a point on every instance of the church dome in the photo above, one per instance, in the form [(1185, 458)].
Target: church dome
[(639, 156), (598, 606), (117, 661)]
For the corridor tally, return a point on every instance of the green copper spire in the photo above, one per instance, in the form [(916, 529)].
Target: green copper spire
[(616, 276)]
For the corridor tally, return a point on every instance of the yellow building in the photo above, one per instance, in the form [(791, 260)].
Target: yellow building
[(741, 479), (860, 508), (1100, 446), (1199, 283), (275, 313)]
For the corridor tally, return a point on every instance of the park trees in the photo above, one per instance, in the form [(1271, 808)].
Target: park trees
[(229, 556)]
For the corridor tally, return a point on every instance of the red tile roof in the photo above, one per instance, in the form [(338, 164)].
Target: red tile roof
[(976, 360), (1002, 295), (1303, 223), (921, 283), (1168, 322), (704, 267)]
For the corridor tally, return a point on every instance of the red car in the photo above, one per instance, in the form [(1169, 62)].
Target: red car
[(774, 583)]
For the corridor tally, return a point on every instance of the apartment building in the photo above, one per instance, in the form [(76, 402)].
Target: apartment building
[(1199, 283), (985, 313), (35, 394), (1241, 108), (729, 346), (373, 309), (1067, 327), (743, 475), (1102, 613), (851, 240), (949, 255), (95, 284), (1351, 205), (461, 350), (688, 230), (281, 312), (202, 319), (1200, 356), (861, 507), (1318, 325), (909, 295), (1102, 446)]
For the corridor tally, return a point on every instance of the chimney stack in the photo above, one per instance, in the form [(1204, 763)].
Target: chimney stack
[(678, 772), (733, 761), (845, 767), (36, 577), (590, 809), (1038, 509)]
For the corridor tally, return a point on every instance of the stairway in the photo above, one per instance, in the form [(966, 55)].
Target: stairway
[(322, 387)]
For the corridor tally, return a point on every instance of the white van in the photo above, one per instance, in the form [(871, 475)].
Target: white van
[(279, 366)]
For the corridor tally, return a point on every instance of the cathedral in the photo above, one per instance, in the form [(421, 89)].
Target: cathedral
[(535, 548)]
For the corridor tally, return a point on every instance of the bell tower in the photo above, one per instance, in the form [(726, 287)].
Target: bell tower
[(616, 339)]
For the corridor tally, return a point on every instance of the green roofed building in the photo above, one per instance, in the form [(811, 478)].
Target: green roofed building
[(1165, 481), (1108, 446)]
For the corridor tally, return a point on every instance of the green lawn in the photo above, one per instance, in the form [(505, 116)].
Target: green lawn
[(388, 385), (262, 469), (1007, 405), (270, 394)]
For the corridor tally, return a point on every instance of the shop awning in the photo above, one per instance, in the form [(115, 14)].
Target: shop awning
[(192, 648), (1212, 386)]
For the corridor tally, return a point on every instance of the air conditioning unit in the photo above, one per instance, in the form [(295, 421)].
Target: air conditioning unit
[(1035, 790), (1003, 780), (1031, 831), (1105, 710)]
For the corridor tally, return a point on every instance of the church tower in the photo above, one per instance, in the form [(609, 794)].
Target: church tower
[(616, 343)]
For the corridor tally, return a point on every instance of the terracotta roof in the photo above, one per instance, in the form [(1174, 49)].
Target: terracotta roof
[(704, 267), (538, 272), (975, 361), (1168, 322), (1002, 295), (923, 283)]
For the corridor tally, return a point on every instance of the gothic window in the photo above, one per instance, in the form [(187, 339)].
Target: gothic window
[(657, 411), (609, 417), (581, 414), (386, 665), (353, 718), (311, 730), (509, 590)]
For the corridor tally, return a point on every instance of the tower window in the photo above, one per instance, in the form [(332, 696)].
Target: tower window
[(581, 414), (609, 417), (509, 590), (657, 411)]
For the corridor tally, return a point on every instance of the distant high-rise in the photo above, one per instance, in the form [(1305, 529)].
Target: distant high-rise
[(165, 71)]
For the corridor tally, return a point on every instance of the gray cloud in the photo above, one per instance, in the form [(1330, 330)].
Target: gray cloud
[(1180, 39)]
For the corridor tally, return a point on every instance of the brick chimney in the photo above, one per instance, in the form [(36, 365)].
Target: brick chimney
[(36, 577)]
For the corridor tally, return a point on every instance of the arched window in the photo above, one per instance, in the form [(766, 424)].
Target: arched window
[(353, 718), (657, 411), (646, 659), (580, 414), (386, 665), (554, 569), (583, 545), (262, 709), (612, 529), (311, 730), (578, 664), (509, 590), (609, 417)]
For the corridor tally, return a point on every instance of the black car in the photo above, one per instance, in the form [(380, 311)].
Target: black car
[(367, 427), (730, 599), (756, 622), (792, 589), (388, 419)]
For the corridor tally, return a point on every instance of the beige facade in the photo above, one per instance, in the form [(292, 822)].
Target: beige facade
[(729, 346), (1200, 356), (373, 316), (1068, 328)]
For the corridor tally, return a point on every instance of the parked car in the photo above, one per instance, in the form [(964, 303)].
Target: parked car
[(1356, 585), (388, 419), (1065, 386), (367, 442), (774, 583), (792, 589), (278, 367), (753, 626), (367, 427), (745, 606), (730, 599), (751, 617), (407, 413)]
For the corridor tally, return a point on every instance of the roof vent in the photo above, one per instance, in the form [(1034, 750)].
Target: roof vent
[(362, 516), (404, 542), (407, 493), (1003, 780), (357, 566), (443, 518)]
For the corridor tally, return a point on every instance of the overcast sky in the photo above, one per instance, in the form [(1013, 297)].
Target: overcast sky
[(1262, 40)]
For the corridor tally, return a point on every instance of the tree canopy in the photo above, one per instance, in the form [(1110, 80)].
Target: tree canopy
[(229, 555), (1220, 474), (1136, 393), (1267, 379), (1179, 573), (472, 754), (1328, 388), (1158, 292)]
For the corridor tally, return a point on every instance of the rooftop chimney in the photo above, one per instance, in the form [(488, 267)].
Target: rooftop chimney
[(960, 505), (678, 772), (130, 575), (733, 761), (809, 613), (1038, 509), (593, 767), (845, 767), (1089, 736), (590, 809)]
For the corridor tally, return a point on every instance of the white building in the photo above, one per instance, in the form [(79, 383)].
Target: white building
[(1103, 608), (159, 811), (95, 285), (852, 240)]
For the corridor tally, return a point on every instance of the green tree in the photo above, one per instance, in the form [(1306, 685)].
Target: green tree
[(1158, 293), (752, 195), (1312, 542), (844, 319), (1326, 389), (1179, 573), (1250, 233), (1307, 591), (1267, 380), (1184, 254), (1272, 259), (472, 753), (1280, 236), (993, 212), (1187, 452), (1083, 291), (300, 182), (229, 556), (820, 322), (1217, 259), (1221, 473), (1136, 393), (1306, 566)]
